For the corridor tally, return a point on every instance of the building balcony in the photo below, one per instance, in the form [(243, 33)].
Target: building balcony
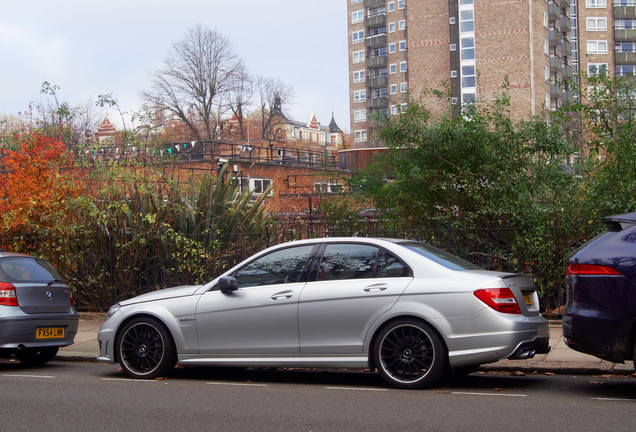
[(555, 37), (566, 23), (625, 34), (376, 61), (565, 4), (566, 71), (373, 3), (378, 81), (624, 12), (625, 58), (566, 48), (555, 64), (556, 89), (554, 11), (373, 21), (376, 41), (378, 102)]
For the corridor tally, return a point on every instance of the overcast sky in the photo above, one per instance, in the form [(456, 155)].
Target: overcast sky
[(88, 48)]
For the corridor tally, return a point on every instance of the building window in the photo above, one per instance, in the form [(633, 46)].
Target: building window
[(468, 77), (256, 185), (454, 101), (467, 48), (546, 47), (466, 21), (595, 3), (392, 68), (392, 47), (626, 47), (357, 36), (403, 87), (356, 1), (545, 19), (358, 56), (546, 73), (403, 66), (392, 27), (357, 17), (391, 6), (358, 76), (359, 96), (626, 69), (624, 24), (403, 106), (451, 20), (453, 47), (596, 24), (394, 109), (359, 116), (403, 45), (594, 69), (402, 24), (393, 89), (597, 47), (361, 135), (401, 4), (453, 74)]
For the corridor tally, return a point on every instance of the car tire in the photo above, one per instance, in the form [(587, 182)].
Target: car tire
[(409, 354), (36, 356), (145, 349)]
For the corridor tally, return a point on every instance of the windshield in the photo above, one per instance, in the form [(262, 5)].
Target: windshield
[(439, 256)]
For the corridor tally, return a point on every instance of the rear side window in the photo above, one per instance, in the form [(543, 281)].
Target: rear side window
[(24, 269), (357, 261)]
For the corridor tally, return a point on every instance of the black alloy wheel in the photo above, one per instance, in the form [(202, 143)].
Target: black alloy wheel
[(145, 349), (409, 354)]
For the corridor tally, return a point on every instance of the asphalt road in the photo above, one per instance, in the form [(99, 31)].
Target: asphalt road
[(76, 396)]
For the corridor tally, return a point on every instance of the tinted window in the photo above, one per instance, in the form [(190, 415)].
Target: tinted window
[(24, 269), (440, 257), (282, 266), (347, 261), (390, 266)]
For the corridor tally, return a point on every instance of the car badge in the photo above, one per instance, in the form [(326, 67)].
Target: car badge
[(49, 295)]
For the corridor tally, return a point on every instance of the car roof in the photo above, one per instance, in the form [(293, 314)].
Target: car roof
[(619, 222), (11, 254)]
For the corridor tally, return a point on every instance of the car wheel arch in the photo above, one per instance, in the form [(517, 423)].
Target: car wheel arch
[(153, 317), (378, 329)]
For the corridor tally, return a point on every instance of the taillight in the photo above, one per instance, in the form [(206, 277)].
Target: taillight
[(70, 295), (500, 299), (7, 295), (573, 269)]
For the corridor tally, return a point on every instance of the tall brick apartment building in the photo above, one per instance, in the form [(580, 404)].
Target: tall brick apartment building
[(400, 46)]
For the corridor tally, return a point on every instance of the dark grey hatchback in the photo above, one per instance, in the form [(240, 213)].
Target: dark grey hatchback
[(37, 316)]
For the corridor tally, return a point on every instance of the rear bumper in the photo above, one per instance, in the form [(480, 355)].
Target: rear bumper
[(602, 338), (528, 349), (20, 331)]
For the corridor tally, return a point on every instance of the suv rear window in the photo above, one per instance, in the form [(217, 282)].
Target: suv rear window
[(26, 269)]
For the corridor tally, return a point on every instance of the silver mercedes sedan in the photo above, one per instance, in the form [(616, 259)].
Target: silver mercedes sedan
[(408, 310)]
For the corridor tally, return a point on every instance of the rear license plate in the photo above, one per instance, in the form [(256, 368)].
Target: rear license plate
[(527, 297), (49, 333)]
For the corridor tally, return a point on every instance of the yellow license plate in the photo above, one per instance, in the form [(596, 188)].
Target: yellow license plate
[(527, 297), (49, 333)]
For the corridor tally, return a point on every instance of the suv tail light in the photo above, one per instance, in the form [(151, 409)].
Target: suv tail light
[(500, 299), (7, 295), (590, 270)]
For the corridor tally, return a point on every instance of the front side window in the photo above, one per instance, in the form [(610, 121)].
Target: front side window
[(278, 267)]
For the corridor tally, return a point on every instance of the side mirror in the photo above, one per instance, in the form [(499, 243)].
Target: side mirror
[(227, 284)]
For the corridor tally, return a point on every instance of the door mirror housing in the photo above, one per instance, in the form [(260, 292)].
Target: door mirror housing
[(227, 284)]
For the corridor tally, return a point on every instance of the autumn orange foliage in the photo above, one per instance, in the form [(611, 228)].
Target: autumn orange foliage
[(37, 184)]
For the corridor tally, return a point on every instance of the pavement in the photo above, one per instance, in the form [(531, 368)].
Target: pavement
[(560, 359)]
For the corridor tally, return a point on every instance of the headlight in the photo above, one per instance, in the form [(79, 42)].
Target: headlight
[(114, 308)]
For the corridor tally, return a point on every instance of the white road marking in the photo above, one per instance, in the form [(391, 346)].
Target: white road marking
[(237, 384), (129, 380), (614, 399), (489, 394), (28, 376)]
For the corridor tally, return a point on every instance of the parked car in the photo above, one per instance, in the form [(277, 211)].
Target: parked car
[(402, 307), (600, 314), (37, 316)]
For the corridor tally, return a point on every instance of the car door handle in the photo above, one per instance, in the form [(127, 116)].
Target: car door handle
[(378, 287), (282, 295)]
